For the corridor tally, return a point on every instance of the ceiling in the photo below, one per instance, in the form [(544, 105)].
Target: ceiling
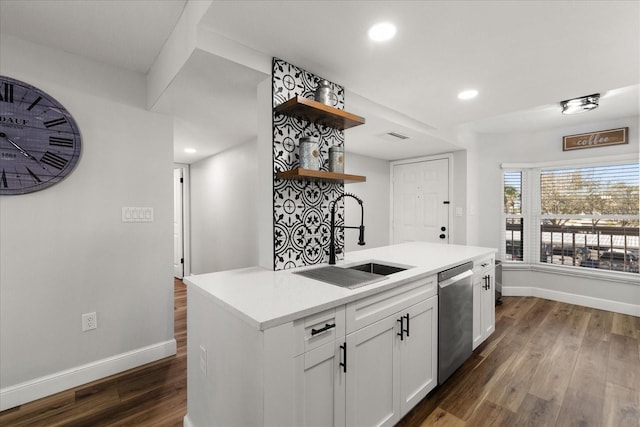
[(522, 56), (124, 33)]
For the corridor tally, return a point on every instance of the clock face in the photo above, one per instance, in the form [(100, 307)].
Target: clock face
[(40, 142)]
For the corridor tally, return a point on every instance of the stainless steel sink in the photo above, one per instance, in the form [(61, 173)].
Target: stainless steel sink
[(375, 268), (340, 276), (351, 277)]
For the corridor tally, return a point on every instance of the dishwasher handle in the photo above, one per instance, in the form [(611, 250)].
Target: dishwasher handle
[(455, 279)]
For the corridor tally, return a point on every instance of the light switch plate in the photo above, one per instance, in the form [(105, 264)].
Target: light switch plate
[(137, 214)]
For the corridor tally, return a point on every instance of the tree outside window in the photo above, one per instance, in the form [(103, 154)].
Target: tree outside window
[(589, 217)]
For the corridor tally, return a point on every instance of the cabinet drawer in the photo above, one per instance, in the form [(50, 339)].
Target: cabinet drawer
[(376, 307), (483, 264), (319, 329)]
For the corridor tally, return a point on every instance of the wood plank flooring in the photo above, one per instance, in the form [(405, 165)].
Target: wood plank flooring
[(547, 364)]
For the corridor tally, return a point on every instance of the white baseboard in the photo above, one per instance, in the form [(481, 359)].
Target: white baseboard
[(186, 422), (601, 304), (28, 391)]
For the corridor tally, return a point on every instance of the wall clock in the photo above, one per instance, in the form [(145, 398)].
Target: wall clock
[(40, 142)]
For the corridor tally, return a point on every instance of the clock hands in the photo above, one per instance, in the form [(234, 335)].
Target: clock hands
[(20, 149)]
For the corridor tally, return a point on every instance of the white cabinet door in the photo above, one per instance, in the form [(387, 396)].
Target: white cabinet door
[(489, 304), (484, 310), (320, 387), (419, 353), (477, 309), (373, 374)]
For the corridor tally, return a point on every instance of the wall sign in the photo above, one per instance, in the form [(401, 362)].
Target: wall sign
[(595, 139)]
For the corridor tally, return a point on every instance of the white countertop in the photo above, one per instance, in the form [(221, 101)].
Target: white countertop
[(266, 298)]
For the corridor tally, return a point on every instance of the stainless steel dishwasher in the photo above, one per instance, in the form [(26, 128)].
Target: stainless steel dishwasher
[(455, 318)]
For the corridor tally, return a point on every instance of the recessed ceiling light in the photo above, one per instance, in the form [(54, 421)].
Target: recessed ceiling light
[(382, 31), (468, 94), (190, 150)]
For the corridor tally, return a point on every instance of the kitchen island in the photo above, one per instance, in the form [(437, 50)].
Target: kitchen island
[(276, 348)]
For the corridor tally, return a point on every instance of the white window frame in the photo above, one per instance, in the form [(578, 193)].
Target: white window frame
[(524, 209), (531, 215)]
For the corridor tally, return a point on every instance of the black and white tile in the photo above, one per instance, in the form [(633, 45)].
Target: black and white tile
[(301, 209)]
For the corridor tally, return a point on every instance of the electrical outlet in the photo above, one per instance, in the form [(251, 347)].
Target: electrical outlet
[(89, 321), (203, 360)]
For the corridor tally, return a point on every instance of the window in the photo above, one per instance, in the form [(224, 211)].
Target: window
[(512, 192), (589, 217), (585, 217)]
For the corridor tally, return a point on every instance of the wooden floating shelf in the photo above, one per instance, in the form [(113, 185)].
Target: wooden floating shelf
[(319, 113), (314, 175)]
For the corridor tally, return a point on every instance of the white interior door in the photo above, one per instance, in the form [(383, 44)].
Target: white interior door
[(178, 245), (421, 201)]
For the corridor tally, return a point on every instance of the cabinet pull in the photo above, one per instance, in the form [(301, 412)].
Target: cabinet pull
[(401, 333), (487, 282), (344, 357), (327, 326), (407, 330)]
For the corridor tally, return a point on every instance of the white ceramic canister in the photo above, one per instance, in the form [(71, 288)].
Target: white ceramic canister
[(336, 159), (309, 152)]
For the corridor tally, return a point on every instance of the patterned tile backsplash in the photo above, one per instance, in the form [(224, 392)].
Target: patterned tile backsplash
[(301, 209)]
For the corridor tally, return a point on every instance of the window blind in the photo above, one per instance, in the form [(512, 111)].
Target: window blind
[(599, 190), (513, 192)]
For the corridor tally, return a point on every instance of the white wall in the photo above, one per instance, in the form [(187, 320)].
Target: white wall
[(491, 151), (224, 217), (458, 227), (224, 213), (64, 251), (264, 154), (375, 195)]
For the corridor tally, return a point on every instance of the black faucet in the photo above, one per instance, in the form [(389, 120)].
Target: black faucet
[(332, 240)]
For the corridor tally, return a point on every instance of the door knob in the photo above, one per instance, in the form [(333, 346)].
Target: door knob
[(442, 236), (443, 228)]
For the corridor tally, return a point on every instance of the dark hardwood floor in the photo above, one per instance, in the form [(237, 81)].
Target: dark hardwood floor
[(547, 364)]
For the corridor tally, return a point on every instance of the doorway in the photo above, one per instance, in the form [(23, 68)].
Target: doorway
[(420, 200), (180, 221)]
